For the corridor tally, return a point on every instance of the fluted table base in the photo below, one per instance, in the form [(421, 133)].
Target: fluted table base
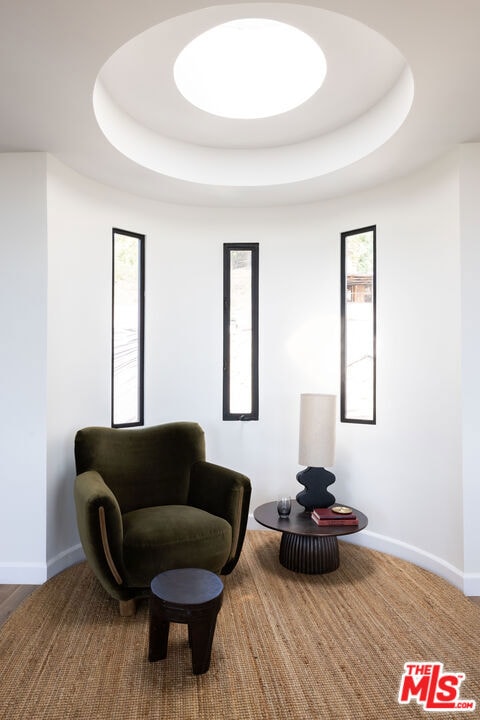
[(309, 553), (306, 547)]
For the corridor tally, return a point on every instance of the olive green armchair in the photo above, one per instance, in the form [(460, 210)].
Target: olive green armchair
[(147, 501)]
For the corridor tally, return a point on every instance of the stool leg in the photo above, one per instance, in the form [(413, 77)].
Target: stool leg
[(158, 635), (200, 635)]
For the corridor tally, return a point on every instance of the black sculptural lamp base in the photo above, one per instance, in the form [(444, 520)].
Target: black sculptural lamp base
[(316, 481)]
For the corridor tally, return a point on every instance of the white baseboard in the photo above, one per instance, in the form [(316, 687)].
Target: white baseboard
[(468, 583), (471, 584), (68, 557), (410, 553), (38, 573), (23, 573)]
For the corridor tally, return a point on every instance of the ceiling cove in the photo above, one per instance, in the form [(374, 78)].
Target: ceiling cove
[(361, 96)]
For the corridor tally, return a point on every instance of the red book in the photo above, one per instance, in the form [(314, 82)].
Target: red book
[(324, 514), (326, 523)]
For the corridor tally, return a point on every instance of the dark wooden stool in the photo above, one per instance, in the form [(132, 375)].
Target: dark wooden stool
[(187, 595)]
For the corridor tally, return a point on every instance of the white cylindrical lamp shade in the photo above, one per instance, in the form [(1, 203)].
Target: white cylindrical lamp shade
[(317, 430)]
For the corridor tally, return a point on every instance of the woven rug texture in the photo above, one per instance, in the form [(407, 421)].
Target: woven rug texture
[(286, 646)]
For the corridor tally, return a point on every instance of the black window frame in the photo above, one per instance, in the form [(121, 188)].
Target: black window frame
[(228, 248), (343, 284), (141, 331)]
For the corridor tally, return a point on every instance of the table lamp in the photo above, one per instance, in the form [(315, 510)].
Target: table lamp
[(316, 449)]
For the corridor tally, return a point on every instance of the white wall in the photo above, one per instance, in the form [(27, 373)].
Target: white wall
[(79, 302), (405, 472), (470, 248), (408, 470), (23, 396)]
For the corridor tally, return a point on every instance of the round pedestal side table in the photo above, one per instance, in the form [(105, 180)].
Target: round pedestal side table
[(306, 547)]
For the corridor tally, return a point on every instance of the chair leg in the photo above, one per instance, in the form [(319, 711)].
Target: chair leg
[(127, 607)]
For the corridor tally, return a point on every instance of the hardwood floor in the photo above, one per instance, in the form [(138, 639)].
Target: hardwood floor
[(12, 595), (10, 598)]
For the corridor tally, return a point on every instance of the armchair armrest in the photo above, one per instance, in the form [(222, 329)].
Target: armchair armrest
[(225, 493), (100, 527)]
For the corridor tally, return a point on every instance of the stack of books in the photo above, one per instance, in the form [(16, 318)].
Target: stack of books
[(327, 516)]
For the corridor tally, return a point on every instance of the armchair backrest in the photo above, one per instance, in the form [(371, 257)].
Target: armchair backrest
[(144, 466)]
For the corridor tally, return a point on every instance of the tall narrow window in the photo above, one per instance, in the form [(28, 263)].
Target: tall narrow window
[(127, 328), (240, 331), (358, 310)]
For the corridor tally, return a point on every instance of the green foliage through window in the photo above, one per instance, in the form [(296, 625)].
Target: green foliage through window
[(358, 325)]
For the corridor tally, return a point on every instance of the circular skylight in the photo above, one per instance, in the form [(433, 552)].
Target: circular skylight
[(250, 68)]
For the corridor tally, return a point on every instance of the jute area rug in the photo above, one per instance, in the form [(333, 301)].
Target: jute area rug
[(286, 646)]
